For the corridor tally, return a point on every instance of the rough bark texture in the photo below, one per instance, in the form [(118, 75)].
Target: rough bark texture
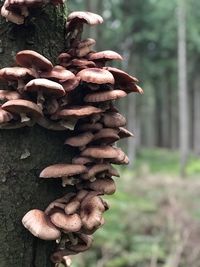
[(20, 187)]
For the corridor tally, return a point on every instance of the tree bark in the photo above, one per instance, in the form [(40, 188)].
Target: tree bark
[(182, 85), (21, 189)]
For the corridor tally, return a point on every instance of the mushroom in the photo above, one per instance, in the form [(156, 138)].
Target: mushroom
[(80, 140), (43, 87), (103, 186), (27, 110), (33, 60), (113, 120), (5, 116), (39, 224), (124, 133), (18, 74), (6, 95), (75, 202), (91, 211), (82, 160), (58, 73), (96, 76), (98, 152), (104, 96), (124, 81), (106, 136), (75, 22), (67, 172), (93, 127), (68, 223), (100, 58)]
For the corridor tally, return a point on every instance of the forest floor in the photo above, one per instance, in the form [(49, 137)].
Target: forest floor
[(154, 218)]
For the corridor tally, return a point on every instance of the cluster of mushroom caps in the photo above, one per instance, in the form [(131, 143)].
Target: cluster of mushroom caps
[(78, 96), (16, 11)]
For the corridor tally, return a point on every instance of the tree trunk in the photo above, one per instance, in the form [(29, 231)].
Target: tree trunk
[(182, 84), (197, 117), (21, 189)]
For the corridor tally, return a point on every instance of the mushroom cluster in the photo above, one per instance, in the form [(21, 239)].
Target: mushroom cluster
[(76, 96), (16, 11)]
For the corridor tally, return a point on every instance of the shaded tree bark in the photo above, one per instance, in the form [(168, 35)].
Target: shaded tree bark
[(21, 189)]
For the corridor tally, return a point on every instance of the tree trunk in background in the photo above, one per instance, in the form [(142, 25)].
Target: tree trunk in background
[(182, 86), (21, 189), (197, 117)]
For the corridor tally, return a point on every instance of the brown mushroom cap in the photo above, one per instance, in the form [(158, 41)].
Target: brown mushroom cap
[(80, 140), (94, 170), (91, 213), (121, 75), (100, 152), (19, 106), (104, 96), (82, 160), (106, 136), (105, 55), (84, 17), (32, 59), (58, 73), (68, 223), (6, 95), (124, 133), (46, 86), (15, 73), (78, 111), (39, 224), (62, 170), (11, 15), (95, 75), (113, 120), (72, 207), (104, 186)]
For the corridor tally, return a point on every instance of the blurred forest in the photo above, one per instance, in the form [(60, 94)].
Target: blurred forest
[(154, 220)]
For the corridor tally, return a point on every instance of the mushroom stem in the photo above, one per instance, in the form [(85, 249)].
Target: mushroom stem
[(40, 99), (24, 118), (20, 86), (69, 181)]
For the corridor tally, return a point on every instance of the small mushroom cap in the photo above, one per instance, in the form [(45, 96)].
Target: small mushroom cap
[(58, 73), (113, 120), (19, 106), (85, 17), (71, 84), (106, 136), (15, 73), (100, 152), (68, 223), (82, 160), (94, 170), (124, 133), (104, 186), (6, 95), (104, 96), (80, 140), (64, 57), (95, 75), (46, 86), (62, 170), (121, 75), (78, 111), (91, 213), (10, 15), (39, 224), (105, 55), (72, 207), (30, 59)]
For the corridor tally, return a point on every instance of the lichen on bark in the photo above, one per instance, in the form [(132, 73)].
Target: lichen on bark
[(20, 187)]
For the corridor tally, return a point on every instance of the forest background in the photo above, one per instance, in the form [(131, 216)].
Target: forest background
[(155, 216)]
